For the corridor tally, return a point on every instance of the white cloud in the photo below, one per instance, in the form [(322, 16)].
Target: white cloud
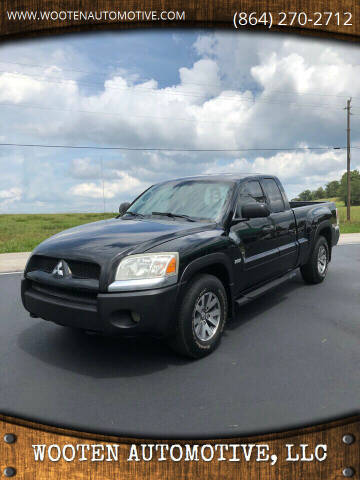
[(12, 194), (85, 168), (124, 184), (205, 44), (9, 196), (295, 169), (236, 94)]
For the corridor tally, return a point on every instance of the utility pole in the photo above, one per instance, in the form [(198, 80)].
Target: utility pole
[(348, 108), (102, 179)]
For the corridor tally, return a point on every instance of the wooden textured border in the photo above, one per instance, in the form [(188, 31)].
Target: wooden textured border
[(341, 456), (199, 13)]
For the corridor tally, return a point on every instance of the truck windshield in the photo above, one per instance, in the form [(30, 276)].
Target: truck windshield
[(195, 199)]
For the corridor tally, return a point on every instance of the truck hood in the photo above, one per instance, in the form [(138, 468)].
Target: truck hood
[(104, 241)]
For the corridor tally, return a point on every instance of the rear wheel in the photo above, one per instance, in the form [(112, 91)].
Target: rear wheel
[(201, 318), (315, 270)]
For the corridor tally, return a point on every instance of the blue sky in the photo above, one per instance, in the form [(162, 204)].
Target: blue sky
[(168, 89)]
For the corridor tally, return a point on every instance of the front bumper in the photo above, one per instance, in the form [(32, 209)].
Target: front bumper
[(127, 313)]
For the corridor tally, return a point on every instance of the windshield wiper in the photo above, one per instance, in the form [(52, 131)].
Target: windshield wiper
[(174, 215)]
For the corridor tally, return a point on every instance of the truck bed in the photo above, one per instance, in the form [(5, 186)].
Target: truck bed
[(308, 215), (297, 204)]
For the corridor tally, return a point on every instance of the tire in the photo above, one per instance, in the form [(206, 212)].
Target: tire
[(315, 270), (199, 326)]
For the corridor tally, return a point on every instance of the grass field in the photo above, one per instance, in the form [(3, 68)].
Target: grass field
[(347, 227), (21, 233)]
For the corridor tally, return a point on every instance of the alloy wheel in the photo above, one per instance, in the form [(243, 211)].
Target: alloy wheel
[(322, 260), (206, 316)]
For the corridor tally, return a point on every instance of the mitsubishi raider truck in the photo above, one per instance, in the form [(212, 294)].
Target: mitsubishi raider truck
[(183, 257)]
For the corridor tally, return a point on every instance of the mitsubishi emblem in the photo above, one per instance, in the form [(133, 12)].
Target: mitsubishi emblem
[(62, 269)]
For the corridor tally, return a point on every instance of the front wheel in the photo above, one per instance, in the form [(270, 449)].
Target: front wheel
[(315, 270), (201, 318)]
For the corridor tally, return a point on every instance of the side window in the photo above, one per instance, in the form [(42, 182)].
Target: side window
[(250, 192), (274, 195)]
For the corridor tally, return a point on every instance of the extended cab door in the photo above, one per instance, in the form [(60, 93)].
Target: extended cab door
[(284, 222), (257, 252)]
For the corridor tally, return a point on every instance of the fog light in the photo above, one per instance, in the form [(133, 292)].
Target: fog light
[(135, 316)]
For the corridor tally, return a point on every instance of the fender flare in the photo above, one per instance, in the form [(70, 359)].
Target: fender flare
[(320, 226), (323, 224), (205, 261), (211, 259)]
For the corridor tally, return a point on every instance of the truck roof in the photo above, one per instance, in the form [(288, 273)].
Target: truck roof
[(223, 176)]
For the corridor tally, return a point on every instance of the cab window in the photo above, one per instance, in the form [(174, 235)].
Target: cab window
[(274, 195), (250, 192)]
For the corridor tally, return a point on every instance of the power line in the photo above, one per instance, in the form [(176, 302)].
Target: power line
[(94, 147), (281, 92), (151, 90), (45, 66), (155, 117)]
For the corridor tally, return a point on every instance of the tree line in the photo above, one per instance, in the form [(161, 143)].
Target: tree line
[(335, 189)]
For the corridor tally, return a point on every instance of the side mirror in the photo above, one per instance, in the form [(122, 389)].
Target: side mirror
[(235, 221), (123, 207), (255, 210)]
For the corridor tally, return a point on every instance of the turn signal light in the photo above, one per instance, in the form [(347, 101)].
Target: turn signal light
[(171, 268)]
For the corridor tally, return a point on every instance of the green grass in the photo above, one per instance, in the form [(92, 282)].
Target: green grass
[(346, 227), (21, 233)]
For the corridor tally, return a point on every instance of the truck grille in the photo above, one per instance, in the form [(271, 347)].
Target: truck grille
[(79, 269), (76, 296)]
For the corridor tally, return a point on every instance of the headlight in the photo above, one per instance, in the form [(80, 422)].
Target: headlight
[(148, 270), (151, 265)]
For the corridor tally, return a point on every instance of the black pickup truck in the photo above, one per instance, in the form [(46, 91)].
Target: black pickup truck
[(183, 257)]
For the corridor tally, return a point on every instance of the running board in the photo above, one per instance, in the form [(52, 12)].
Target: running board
[(265, 288)]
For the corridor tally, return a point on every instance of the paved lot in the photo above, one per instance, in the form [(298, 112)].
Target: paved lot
[(13, 262), (291, 358)]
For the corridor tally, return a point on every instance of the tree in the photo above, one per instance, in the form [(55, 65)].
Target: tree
[(355, 187), (319, 193), (332, 189), (305, 196)]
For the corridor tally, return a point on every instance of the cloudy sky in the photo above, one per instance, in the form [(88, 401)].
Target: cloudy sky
[(182, 90)]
